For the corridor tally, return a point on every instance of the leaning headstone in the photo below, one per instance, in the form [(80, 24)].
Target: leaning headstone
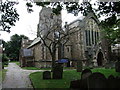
[(97, 80), (117, 66), (46, 75), (57, 71), (84, 77), (76, 84)]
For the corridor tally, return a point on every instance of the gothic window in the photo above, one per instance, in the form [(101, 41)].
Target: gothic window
[(97, 35), (42, 52), (95, 38), (68, 49), (89, 38), (92, 37), (86, 34)]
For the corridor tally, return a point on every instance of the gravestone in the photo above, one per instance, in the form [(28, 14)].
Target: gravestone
[(112, 64), (111, 82), (58, 71), (84, 76), (86, 73), (46, 75), (111, 77), (117, 66), (117, 82), (107, 66), (76, 84), (97, 80)]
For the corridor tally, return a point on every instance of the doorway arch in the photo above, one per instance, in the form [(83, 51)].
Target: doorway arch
[(100, 59)]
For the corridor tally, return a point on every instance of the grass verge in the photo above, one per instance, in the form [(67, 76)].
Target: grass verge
[(68, 76), (38, 82), (106, 72), (2, 74), (31, 68), (34, 68), (17, 62)]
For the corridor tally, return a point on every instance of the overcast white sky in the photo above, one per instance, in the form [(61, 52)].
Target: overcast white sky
[(27, 25)]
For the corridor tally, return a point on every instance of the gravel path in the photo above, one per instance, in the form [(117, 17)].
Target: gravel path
[(17, 77)]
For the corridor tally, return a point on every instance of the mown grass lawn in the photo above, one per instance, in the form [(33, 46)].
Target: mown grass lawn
[(31, 68), (68, 76), (17, 62), (34, 68), (106, 72), (2, 74), (38, 82)]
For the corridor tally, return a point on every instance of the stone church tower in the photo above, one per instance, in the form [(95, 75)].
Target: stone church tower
[(47, 19), (49, 23)]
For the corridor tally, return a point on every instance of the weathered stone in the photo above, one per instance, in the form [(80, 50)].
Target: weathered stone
[(117, 84), (30, 64), (86, 73), (111, 82), (58, 71), (117, 66), (84, 77), (46, 75), (76, 84), (97, 80)]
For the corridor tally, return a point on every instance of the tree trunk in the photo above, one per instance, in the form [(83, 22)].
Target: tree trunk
[(109, 53), (53, 61)]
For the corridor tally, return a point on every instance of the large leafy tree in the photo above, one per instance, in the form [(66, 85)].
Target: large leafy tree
[(111, 10), (111, 27), (8, 14), (12, 47), (108, 9)]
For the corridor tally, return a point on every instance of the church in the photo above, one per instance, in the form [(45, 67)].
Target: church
[(84, 44)]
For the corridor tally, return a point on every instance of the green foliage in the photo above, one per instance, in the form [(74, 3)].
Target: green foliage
[(9, 15), (13, 46), (31, 68), (4, 57), (106, 72), (111, 27), (110, 9), (2, 74), (103, 8)]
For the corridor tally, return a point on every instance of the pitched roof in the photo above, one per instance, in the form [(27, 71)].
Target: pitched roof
[(35, 41)]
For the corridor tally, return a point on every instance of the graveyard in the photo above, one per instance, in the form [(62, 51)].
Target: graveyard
[(71, 75), (80, 53)]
